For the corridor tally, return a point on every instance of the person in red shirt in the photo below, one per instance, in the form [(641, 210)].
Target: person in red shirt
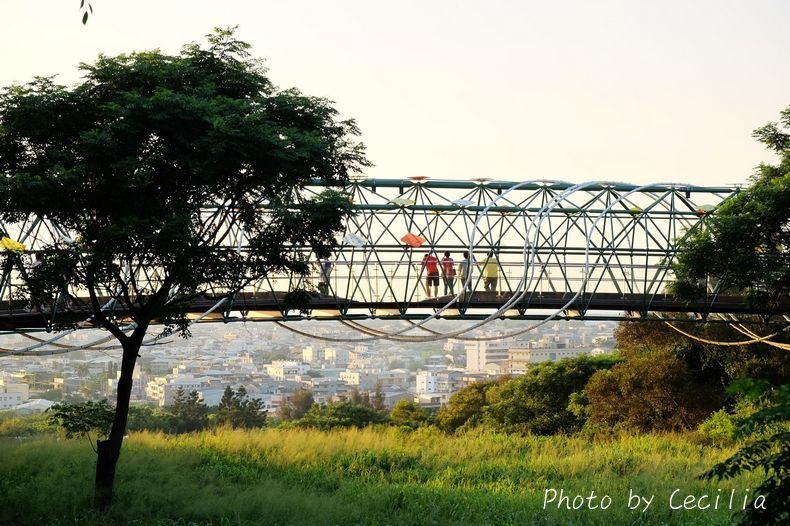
[(430, 264), (448, 274)]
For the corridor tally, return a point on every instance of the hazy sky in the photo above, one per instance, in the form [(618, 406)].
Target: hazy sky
[(635, 90)]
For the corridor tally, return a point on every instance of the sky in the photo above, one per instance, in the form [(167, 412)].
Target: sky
[(623, 90)]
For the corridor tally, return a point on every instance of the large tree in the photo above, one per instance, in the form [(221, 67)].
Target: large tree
[(144, 165), (744, 246)]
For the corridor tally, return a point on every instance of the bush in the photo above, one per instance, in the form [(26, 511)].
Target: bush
[(409, 414), (718, 428), (769, 452), (545, 401), (236, 409), (144, 417), (548, 399), (652, 390), (465, 407), (13, 425), (341, 414)]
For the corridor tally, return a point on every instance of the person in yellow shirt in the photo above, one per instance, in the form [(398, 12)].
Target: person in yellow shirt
[(490, 272)]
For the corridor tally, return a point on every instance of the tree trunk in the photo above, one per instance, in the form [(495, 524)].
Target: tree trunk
[(109, 450)]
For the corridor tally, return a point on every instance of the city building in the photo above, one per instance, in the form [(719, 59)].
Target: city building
[(286, 369), (482, 353), (519, 360)]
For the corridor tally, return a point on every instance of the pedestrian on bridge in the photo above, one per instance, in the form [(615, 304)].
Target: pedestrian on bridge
[(448, 274), (465, 270), (490, 272), (430, 264), (324, 272)]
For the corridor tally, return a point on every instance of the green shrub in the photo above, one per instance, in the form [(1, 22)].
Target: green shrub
[(341, 414), (409, 414), (767, 436), (14, 425), (718, 428), (651, 390), (548, 399)]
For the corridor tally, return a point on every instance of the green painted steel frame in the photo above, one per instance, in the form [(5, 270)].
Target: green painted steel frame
[(631, 231)]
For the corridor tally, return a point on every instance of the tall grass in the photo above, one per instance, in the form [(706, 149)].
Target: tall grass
[(358, 476)]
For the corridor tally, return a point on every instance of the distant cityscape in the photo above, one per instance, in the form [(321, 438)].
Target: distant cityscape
[(272, 363)]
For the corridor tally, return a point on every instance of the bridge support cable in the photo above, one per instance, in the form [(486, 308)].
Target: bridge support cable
[(754, 337)]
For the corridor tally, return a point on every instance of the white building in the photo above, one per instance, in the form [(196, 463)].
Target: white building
[(13, 394), (364, 380), (444, 381), (426, 382), (163, 389), (312, 355), (432, 400), (482, 353), (400, 378), (286, 369)]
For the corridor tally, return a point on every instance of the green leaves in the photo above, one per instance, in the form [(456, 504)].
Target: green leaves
[(744, 247), (82, 419), (130, 161), (341, 414), (236, 409), (770, 453), (89, 9)]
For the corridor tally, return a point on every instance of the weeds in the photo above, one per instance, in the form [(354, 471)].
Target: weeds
[(356, 476)]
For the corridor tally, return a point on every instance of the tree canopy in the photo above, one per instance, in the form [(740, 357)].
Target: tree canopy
[(237, 409), (341, 414), (744, 246), (147, 165)]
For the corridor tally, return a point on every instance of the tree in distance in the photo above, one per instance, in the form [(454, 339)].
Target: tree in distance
[(651, 390), (539, 402), (548, 399), (236, 409), (189, 412), (465, 408), (297, 405), (341, 414), (409, 414), (128, 162)]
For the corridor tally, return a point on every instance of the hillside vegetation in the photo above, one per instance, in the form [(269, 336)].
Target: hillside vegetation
[(361, 476)]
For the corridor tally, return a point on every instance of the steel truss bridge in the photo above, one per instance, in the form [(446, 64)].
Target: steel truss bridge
[(596, 250)]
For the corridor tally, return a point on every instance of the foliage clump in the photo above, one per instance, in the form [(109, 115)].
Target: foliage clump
[(237, 409), (341, 414), (80, 420), (548, 399), (295, 406), (409, 414), (653, 390), (744, 246), (766, 434)]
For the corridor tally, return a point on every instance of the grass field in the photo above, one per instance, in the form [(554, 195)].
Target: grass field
[(367, 476)]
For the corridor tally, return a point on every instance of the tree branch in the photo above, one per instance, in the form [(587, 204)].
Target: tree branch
[(98, 313)]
